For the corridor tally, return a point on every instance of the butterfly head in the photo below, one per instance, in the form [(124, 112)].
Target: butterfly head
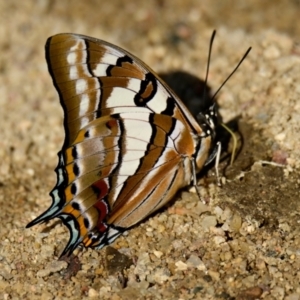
[(207, 145), (208, 121)]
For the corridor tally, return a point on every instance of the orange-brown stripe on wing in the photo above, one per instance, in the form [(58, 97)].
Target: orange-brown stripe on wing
[(127, 69), (164, 141), (161, 185), (92, 156), (156, 187)]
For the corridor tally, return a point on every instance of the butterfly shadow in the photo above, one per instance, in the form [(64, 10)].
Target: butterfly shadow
[(197, 95), (194, 92)]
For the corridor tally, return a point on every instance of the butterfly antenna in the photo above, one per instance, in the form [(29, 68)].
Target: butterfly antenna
[(218, 90), (208, 62), (214, 96)]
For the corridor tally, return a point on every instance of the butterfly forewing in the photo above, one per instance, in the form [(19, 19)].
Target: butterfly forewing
[(95, 78), (129, 140)]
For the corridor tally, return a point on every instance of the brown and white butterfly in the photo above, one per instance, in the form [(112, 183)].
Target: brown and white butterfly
[(130, 142)]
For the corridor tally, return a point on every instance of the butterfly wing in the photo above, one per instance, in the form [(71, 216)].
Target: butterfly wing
[(129, 140), (95, 78)]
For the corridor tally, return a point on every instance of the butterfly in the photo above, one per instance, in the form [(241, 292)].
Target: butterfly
[(130, 142)]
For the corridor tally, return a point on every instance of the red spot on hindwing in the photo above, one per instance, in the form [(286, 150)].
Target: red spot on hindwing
[(101, 189), (111, 123)]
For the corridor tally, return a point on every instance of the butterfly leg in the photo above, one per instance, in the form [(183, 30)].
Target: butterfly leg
[(217, 161), (195, 184)]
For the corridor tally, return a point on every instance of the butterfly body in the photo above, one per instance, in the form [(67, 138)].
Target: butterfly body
[(130, 143)]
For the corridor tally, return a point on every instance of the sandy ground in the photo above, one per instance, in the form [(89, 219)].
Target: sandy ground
[(246, 243)]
